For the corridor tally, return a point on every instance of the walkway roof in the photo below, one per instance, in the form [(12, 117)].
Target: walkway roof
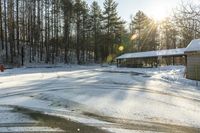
[(194, 46), (151, 54)]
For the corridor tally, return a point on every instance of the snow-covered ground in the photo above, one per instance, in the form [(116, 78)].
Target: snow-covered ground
[(152, 96), (14, 122), (170, 73)]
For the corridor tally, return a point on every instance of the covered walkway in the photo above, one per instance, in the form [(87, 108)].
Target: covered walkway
[(152, 58)]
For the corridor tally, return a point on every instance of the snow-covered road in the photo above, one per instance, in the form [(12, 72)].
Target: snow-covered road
[(117, 100), (12, 121)]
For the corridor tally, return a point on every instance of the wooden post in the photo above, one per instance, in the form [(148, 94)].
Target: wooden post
[(185, 60), (196, 74)]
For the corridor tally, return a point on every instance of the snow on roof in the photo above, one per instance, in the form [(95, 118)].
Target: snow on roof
[(193, 46), (159, 53)]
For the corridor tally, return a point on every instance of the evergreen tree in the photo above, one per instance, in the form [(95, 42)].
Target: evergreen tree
[(5, 29), (143, 30), (78, 16), (67, 11), (11, 30), (96, 24), (169, 34), (85, 32), (139, 22), (112, 24), (1, 27)]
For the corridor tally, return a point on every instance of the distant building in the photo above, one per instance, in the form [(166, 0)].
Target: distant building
[(189, 56), (193, 60), (152, 58)]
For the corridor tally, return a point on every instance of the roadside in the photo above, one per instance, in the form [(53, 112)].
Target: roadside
[(22, 120), (118, 101), (18, 122), (66, 125), (136, 125), (175, 74), (45, 123)]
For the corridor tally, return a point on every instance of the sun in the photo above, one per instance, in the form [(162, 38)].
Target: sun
[(159, 10), (159, 13)]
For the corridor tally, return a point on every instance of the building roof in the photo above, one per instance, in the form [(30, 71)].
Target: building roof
[(159, 53), (193, 46)]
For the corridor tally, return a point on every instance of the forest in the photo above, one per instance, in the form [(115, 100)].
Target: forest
[(72, 31)]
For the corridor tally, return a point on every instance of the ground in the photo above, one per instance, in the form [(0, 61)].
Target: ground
[(99, 99)]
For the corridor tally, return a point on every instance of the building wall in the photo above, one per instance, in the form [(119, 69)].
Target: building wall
[(138, 62), (150, 62), (193, 66)]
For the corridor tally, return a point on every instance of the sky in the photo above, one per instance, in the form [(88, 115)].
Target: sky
[(157, 9)]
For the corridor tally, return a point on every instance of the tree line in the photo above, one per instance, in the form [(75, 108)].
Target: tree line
[(71, 31), (58, 30), (175, 31)]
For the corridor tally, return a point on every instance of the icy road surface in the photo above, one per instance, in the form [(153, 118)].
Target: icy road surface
[(15, 122), (118, 100)]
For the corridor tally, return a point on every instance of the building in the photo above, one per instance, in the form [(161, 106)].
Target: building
[(193, 60), (189, 56), (151, 58)]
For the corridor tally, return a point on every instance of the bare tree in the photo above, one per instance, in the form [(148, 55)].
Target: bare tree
[(187, 18)]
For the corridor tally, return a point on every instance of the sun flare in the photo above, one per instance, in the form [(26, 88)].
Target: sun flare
[(159, 14), (159, 10)]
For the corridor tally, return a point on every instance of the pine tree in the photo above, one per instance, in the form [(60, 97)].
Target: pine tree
[(112, 24), (47, 29), (5, 29), (17, 25), (144, 31), (85, 32), (1, 26), (138, 22), (96, 24), (67, 11), (11, 32), (78, 11)]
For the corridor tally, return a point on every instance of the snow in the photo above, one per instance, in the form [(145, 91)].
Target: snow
[(193, 46), (5, 108), (160, 53), (174, 74), (13, 121), (117, 130), (14, 118), (29, 129), (7, 116), (160, 95)]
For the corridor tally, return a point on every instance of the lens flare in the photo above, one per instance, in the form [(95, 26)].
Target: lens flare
[(134, 36), (121, 48)]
